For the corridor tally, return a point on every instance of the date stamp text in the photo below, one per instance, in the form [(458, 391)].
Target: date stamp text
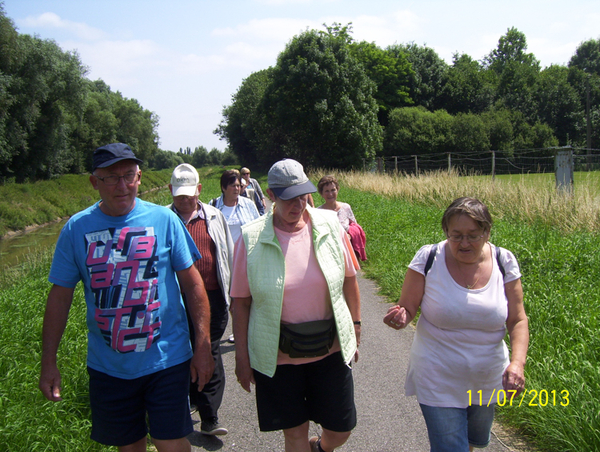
[(529, 397)]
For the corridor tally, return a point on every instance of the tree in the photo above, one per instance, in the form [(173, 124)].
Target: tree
[(200, 157), (587, 57), (517, 73), (499, 129), (511, 49), (8, 50), (52, 117), (391, 73), (214, 157), (584, 77), (319, 106), (228, 158), (558, 103), (164, 160), (136, 126), (429, 74), (49, 97), (415, 130), (242, 124), (469, 133), (469, 87)]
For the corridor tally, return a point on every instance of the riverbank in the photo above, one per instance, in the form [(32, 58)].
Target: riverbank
[(26, 207)]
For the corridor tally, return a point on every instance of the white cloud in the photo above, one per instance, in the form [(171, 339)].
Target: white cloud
[(271, 29), (122, 63), (51, 20)]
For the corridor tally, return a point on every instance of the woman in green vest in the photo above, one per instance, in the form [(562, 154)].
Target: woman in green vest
[(296, 315)]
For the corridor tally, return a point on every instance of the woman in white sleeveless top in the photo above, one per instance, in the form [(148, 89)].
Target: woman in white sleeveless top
[(470, 296)]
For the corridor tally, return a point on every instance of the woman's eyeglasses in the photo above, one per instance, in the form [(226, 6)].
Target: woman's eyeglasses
[(459, 238)]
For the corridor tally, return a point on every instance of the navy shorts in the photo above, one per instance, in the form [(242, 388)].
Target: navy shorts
[(119, 406), (321, 391)]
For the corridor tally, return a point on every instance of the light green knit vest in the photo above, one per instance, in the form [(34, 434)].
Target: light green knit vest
[(266, 275)]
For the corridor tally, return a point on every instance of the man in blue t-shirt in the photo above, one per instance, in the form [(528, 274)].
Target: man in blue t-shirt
[(134, 259)]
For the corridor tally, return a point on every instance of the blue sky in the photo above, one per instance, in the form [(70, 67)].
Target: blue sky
[(184, 59)]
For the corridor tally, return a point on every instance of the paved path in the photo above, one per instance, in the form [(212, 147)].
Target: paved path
[(387, 420)]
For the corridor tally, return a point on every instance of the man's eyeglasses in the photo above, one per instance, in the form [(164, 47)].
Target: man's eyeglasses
[(129, 178), (459, 238), (245, 174)]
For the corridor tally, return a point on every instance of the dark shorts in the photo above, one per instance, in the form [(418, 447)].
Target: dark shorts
[(321, 391), (119, 406)]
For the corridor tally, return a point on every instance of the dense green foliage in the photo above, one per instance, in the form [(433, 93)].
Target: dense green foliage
[(52, 117), (329, 102), (316, 105), (504, 102)]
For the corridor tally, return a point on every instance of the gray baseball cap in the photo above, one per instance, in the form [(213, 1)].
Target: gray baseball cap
[(287, 180)]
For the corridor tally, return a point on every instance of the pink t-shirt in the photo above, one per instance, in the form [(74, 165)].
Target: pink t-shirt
[(305, 294)]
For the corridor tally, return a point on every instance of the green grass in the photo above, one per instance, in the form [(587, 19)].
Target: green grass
[(29, 422), (23, 205), (579, 177), (560, 280)]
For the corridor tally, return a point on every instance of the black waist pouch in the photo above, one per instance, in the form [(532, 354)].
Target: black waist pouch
[(308, 339)]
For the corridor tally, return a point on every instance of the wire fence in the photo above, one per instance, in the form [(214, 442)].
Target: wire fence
[(520, 161)]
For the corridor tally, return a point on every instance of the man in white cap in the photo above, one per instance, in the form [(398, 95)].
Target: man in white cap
[(208, 228)]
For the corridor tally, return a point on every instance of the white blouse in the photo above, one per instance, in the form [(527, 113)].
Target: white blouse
[(459, 343)]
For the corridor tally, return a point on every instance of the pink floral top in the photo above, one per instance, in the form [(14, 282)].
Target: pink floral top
[(345, 215)]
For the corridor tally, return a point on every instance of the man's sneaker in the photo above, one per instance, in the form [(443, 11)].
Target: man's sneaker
[(231, 339), (212, 428), (193, 408)]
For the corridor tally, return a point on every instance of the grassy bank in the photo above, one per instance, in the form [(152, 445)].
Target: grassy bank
[(25, 205), (531, 199), (560, 271)]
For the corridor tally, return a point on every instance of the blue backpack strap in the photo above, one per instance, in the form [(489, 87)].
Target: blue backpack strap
[(500, 266), (430, 258)]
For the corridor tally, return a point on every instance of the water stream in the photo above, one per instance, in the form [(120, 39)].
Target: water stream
[(15, 249)]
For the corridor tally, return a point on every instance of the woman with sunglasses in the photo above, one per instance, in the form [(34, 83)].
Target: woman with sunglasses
[(470, 295)]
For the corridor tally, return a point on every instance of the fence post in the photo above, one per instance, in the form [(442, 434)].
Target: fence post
[(416, 166), (563, 170), (396, 164), (493, 165), (449, 163), (380, 165)]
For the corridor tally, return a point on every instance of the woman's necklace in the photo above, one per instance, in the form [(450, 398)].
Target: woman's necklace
[(470, 286)]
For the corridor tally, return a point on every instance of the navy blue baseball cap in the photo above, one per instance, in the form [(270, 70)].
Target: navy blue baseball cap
[(110, 154)]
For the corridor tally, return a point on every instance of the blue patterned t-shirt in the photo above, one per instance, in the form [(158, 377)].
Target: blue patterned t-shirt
[(135, 314)]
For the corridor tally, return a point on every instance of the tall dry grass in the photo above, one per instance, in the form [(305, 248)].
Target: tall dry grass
[(516, 198)]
